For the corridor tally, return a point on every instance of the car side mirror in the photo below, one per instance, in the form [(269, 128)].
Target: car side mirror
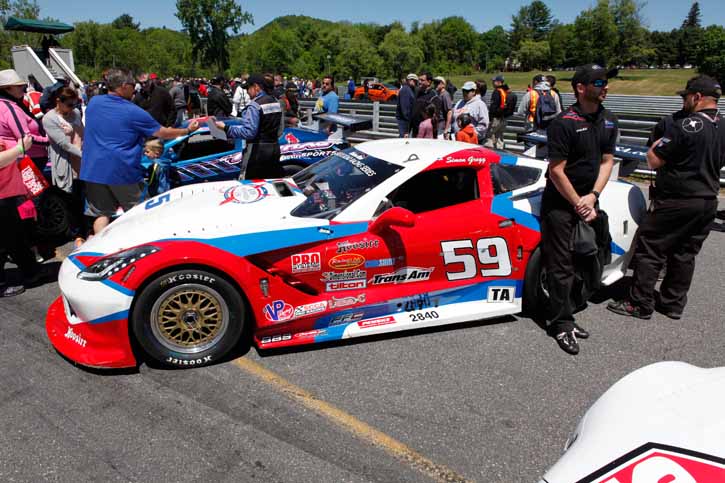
[(396, 216)]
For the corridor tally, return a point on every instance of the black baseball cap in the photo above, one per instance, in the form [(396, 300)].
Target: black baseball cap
[(255, 79), (705, 85), (585, 74)]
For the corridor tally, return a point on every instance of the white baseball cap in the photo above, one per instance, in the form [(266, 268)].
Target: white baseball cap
[(9, 77), (412, 77), (469, 86)]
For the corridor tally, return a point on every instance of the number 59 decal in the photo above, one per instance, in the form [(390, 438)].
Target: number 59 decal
[(493, 254)]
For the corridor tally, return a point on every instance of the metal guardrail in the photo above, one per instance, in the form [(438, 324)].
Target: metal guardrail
[(637, 116)]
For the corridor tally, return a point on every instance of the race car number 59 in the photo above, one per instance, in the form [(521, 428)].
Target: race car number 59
[(493, 255)]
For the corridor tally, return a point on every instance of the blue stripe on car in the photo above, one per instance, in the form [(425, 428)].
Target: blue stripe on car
[(467, 293), (123, 314), (504, 207), (252, 243)]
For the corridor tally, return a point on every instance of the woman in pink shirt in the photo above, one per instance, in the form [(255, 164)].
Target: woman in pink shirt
[(13, 193), (16, 121)]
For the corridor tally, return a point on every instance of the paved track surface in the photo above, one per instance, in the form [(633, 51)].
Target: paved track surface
[(492, 401)]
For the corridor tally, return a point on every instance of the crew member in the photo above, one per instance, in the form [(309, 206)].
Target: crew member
[(259, 126), (581, 149), (688, 159)]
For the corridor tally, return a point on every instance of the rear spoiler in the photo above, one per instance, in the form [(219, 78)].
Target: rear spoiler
[(631, 155), (349, 123)]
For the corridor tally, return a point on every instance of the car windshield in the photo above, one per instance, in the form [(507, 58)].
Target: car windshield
[(337, 181)]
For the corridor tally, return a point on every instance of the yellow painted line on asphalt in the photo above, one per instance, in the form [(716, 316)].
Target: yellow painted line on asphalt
[(353, 425)]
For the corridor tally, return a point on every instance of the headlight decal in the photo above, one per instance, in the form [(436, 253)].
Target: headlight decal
[(107, 266)]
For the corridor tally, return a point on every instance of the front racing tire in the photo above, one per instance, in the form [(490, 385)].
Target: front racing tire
[(188, 318)]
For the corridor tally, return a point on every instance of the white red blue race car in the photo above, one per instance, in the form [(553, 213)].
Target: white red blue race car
[(387, 236), (662, 423)]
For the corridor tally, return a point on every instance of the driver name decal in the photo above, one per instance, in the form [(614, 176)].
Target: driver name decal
[(403, 275)]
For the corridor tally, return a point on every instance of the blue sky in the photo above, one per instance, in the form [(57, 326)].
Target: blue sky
[(659, 14)]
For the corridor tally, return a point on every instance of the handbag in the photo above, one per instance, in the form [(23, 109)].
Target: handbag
[(33, 179)]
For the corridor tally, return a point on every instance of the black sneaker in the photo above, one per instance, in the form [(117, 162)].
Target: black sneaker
[(11, 290), (580, 332), (568, 343), (668, 313), (627, 308)]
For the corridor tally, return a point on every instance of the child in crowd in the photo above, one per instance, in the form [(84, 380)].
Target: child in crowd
[(466, 132), (153, 148), (429, 126)]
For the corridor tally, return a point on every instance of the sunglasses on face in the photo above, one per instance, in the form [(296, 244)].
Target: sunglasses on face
[(69, 103), (599, 82)]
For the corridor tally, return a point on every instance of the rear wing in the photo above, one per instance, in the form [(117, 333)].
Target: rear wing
[(321, 121), (631, 155)]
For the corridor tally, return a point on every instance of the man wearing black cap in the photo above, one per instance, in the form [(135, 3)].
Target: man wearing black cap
[(217, 103), (581, 147), (259, 126), (688, 159), (501, 100)]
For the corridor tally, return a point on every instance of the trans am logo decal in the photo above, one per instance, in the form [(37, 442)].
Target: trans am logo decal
[(403, 275), (244, 194)]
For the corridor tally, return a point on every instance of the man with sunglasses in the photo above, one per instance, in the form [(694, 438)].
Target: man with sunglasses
[(688, 159), (581, 155), (116, 129)]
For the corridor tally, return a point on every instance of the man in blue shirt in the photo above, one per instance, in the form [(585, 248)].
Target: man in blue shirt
[(115, 131), (328, 100)]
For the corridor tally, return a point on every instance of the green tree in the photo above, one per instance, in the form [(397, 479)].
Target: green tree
[(596, 35), (693, 17), (561, 40), (532, 22), (690, 37), (207, 22), (125, 21), (711, 59), (358, 57), (664, 47), (533, 54), (494, 48), (401, 53), (632, 39)]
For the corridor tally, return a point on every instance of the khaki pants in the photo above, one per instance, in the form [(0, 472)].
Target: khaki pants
[(495, 133)]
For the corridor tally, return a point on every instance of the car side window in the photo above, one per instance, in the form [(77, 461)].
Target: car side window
[(509, 177), (435, 189)]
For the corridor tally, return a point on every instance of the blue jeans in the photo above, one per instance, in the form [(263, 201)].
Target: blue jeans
[(403, 127)]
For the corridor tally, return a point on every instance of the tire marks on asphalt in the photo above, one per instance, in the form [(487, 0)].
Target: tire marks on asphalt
[(363, 431)]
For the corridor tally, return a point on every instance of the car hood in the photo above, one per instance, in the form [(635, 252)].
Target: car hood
[(206, 212), (667, 403)]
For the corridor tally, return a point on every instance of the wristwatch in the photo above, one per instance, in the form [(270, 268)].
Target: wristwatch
[(596, 193)]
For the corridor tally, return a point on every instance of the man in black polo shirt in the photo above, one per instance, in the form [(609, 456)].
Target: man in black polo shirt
[(688, 159), (581, 147)]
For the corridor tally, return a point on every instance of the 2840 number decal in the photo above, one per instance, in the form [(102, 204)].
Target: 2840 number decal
[(421, 316), (493, 255)]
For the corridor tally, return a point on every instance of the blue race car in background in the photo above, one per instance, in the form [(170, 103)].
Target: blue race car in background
[(200, 157)]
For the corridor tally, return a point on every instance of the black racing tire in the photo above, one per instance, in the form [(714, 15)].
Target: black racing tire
[(393, 99), (54, 215), (188, 318), (535, 297), (292, 169)]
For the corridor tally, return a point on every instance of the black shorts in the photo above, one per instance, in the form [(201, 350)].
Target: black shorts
[(105, 199)]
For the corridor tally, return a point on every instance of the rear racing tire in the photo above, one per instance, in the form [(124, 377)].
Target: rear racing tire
[(536, 298), (188, 318), (54, 215)]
